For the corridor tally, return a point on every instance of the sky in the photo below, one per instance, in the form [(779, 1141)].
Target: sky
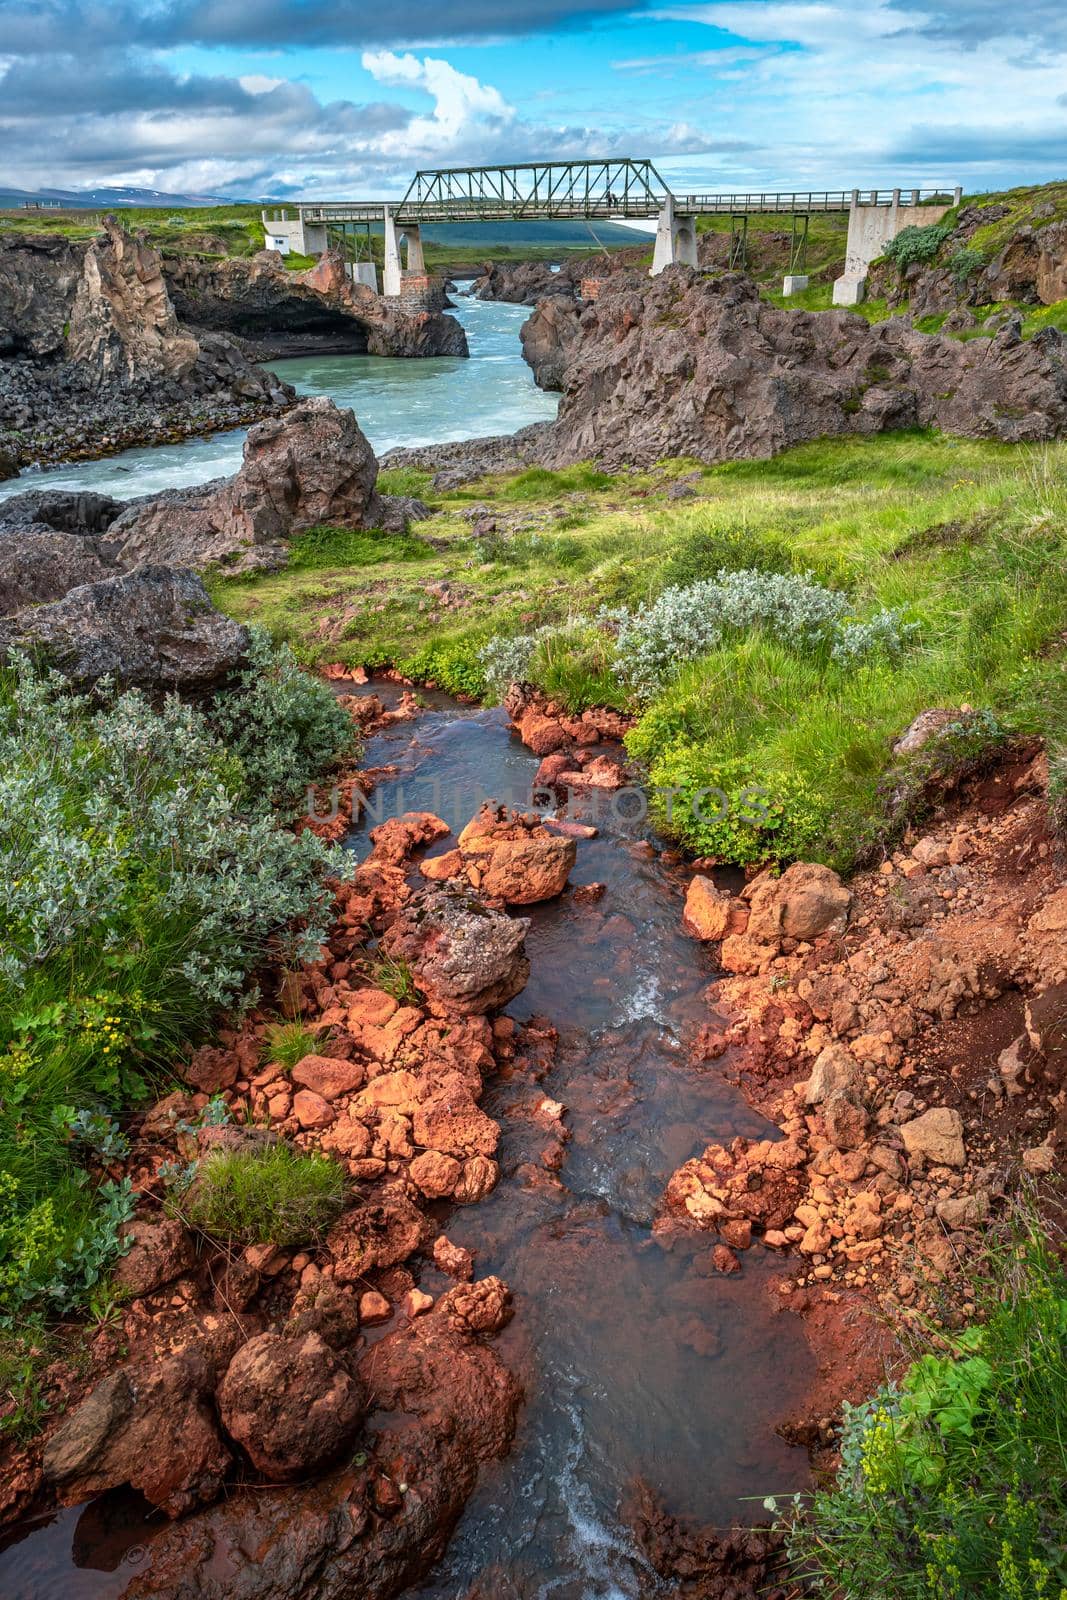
[(347, 98)]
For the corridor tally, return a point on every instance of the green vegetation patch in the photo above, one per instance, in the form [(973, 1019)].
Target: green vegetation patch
[(272, 1195), (953, 1483)]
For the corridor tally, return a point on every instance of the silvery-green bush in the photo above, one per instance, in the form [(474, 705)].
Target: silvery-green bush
[(507, 660), (131, 828), (285, 725), (654, 640)]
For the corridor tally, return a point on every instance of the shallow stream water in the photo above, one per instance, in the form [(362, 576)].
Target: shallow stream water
[(639, 1361), (396, 403)]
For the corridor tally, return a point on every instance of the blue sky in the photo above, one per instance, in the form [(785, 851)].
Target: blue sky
[(346, 97)]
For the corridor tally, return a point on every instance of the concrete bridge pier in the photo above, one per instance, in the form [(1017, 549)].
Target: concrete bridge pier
[(395, 265), (676, 240)]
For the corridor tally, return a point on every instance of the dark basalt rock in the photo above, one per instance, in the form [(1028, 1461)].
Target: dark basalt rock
[(311, 467), (153, 628), (93, 357), (703, 368), (65, 510), (37, 565), (321, 311), (548, 339)]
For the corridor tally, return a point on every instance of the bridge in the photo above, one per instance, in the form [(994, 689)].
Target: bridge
[(617, 190)]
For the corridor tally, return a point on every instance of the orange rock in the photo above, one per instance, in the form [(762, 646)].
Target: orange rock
[(400, 1089), (440, 868), (452, 1259), (456, 1126), (371, 1006), (707, 910), (312, 1111), (434, 1174), (416, 1304), (374, 1308), (479, 1176), (329, 1078)]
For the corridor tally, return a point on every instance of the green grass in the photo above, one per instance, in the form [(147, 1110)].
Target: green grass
[(966, 538), (954, 1480), (290, 1042), (271, 1196)]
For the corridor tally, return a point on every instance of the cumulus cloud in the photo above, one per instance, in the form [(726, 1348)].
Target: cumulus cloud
[(460, 101)]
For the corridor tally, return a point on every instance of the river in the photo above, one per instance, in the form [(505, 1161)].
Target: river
[(396, 402)]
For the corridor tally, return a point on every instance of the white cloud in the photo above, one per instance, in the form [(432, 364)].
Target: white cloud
[(460, 101), (256, 83)]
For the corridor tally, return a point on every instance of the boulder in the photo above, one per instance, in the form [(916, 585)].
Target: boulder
[(936, 1137), (835, 1071), (63, 510), (39, 565), (462, 955), (453, 1408), (152, 1427), (378, 1234), (513, 858), (707, 910), (290, 1403), (804, 902), (549, 339), (152, 628), (846, 1120), (159, 1251), (312, 466)]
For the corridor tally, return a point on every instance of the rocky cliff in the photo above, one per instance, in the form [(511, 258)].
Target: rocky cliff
[(93, 357), (318, 311), (701, 367)]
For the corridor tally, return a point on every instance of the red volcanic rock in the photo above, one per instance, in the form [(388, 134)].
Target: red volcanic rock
[(483, 1307), (439, 869), (543, 735), (480, 1174), (707, 910), (513, 858), (290, 1404), (454, 1408), (462, 955), (150, 1426), (328, 1078), (435, 1174), (311, 1110), (160, 1251), (454, 1124), (395, 840), (379, 1234), (453, 1259), (805, 901)]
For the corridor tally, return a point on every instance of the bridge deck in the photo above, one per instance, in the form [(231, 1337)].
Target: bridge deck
[(579, 191)]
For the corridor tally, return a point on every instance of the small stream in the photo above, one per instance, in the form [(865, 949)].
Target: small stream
[(396, 403), (639, 1361)]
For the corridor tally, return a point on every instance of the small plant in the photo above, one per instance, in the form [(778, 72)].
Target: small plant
[(273, 1195), (290, 1042), (395, 978), (23, 1355), (285, 726), (98, 1133), (964, 264), (507, 660)]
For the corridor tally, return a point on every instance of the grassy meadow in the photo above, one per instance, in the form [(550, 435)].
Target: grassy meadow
[(964, 543)]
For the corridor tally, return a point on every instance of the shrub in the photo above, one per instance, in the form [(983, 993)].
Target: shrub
[(964, 264), (285, 726), (726, 809), (917, 244), (883, 634), (506, 660), (953, 1483), (274, 1195), (455, 667), (137, 893), (656, 639)]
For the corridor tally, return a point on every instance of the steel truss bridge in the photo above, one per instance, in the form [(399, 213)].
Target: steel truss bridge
[(582, 190), (590, 191)]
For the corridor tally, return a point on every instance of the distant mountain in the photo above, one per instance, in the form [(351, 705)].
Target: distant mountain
[(94, 199)]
